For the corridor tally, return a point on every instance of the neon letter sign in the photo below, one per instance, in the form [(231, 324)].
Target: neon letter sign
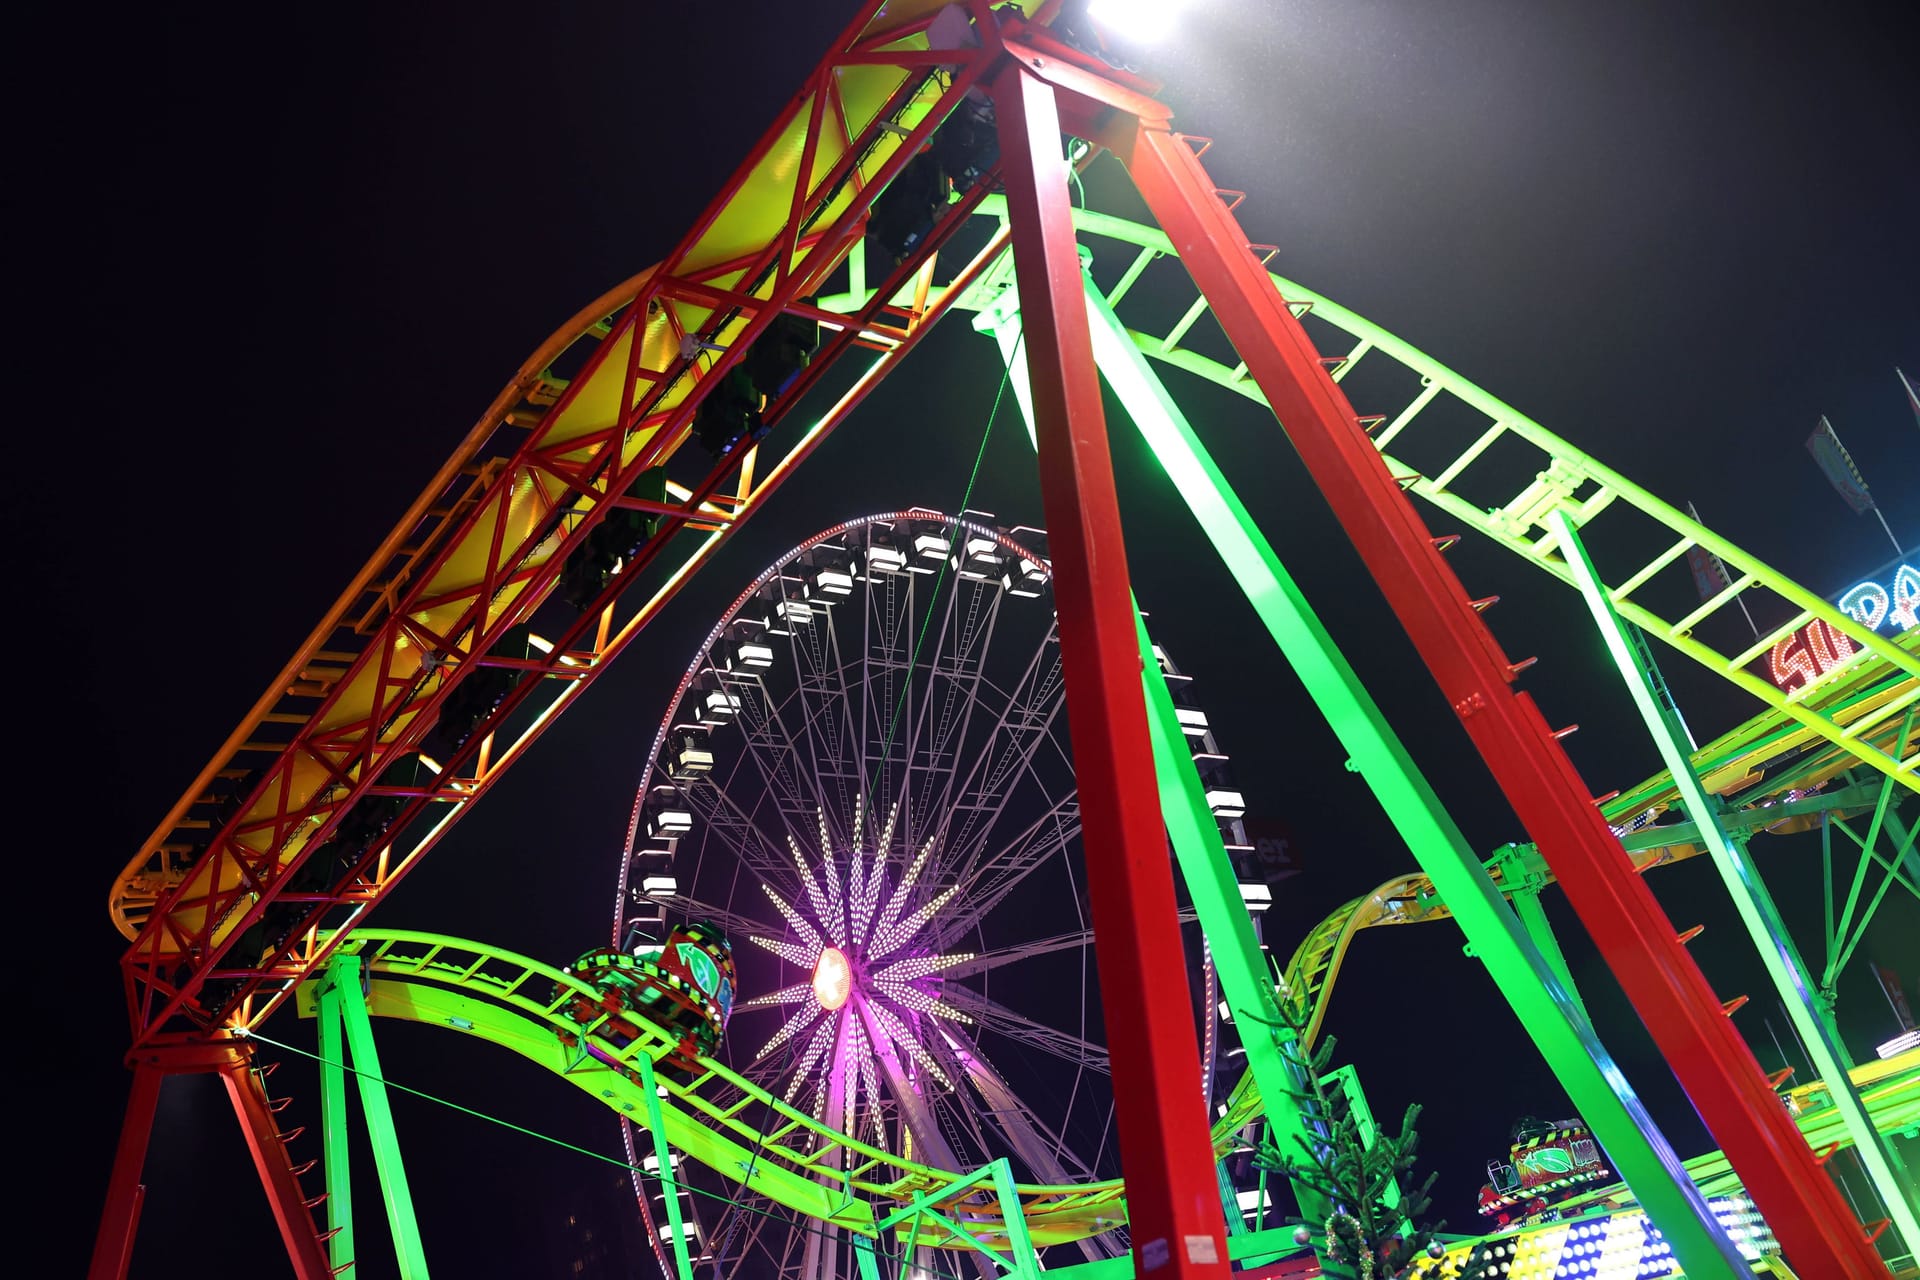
[(1808, 654), (1872, 605)]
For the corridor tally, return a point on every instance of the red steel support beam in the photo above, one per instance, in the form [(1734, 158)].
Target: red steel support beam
[(113, 1246), (1713, 1063), (233, 1060), (1173, 1197), (276, 1175)]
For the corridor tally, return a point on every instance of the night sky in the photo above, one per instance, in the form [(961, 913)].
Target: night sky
[(285, 262)]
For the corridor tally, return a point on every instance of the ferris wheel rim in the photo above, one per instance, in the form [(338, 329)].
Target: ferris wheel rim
[(728, 618)]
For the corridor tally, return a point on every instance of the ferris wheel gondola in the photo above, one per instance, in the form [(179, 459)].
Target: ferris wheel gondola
[(864, 778)]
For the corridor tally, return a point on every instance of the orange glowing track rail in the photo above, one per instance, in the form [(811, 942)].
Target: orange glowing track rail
[(480, 552)]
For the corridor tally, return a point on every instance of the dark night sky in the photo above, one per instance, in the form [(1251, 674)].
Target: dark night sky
[(285, 265)]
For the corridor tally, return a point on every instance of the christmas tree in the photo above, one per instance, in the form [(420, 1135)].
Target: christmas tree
[(1370, 1234)]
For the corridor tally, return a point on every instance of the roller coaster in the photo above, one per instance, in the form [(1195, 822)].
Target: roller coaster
[(919, 172)]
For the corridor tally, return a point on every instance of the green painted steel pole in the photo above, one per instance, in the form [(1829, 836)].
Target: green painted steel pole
[(333, 1118), (344, 972), (1207, 872), (1750, 896), (1025, 1264), (1215, 891), (669, 1185), (1521, 875), (1551, 1017)]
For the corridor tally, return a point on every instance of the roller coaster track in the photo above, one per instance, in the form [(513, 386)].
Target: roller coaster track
[(720, 1120), (1781, 800), (1855, 709), (717, 1118)]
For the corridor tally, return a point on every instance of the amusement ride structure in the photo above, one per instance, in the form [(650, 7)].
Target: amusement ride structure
[(867, 763)]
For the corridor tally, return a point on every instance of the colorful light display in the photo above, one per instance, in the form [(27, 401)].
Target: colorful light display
[(1818, 649), (851, 933), (1894, 606), (1614, 1246)]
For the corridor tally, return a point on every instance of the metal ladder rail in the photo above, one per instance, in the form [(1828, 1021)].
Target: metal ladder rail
[(1556, 486), (1560, 485)]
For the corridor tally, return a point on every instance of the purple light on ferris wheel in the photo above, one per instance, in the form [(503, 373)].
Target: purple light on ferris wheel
[(864, 951)]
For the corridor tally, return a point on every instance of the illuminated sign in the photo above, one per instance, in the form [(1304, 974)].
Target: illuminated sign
[(1891, 607), (700, 966), (1808, 654), (1887, 602)]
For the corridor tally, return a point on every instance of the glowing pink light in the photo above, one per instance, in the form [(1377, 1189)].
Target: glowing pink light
[(832, 979)]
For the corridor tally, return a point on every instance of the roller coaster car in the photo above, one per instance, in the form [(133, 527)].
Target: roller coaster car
[(1547, 1162), (684, 987)]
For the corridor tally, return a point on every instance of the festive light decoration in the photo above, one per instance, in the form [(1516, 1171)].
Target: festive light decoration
[(1808, 655), (1896, 605), (874, 982)]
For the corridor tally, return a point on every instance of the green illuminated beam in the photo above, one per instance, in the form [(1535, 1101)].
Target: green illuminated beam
[(1750, 897), (333, 1122), (669, 1184), (1550, 1015), (1524, 877), (1204, 865), (1222, 912), (343, 972)]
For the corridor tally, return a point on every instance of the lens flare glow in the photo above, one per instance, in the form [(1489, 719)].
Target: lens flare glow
[(832, 979)]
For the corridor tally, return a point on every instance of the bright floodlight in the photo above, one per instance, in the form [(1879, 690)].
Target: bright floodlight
[(1134, 20), (832, 979)]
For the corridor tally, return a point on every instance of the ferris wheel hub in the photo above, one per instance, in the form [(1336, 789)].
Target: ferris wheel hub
[(832, 979)]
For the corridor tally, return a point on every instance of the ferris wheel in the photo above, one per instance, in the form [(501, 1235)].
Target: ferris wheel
[(864, 779)]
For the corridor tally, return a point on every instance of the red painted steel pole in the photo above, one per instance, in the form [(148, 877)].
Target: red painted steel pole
[(1717, 1069), (1173, 1198), (270, 1159), (113, 1246)]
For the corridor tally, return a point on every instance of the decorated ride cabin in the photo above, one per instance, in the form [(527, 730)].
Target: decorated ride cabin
[(1548, 1161), (684, 987)]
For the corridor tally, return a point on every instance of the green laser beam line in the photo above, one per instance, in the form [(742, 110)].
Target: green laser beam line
[(634, 1169)]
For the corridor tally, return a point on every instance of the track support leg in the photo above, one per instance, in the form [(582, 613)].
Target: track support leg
[(669, 1185), (1714, 1065), (1173, 1200), (344, 976), (113, 1246), (1888, 1173)]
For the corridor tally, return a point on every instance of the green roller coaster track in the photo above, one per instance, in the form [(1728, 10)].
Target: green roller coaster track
[(721, 1121)]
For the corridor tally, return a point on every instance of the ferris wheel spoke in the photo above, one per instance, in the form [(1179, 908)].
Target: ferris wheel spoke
[(906, 715), (1079, 940), (775, 754), (1031, 706), (994, 1016), (833, 718), (886, 661), (956, 676), (1044, 1151), (818, 695), (991, 881), (724, 820)]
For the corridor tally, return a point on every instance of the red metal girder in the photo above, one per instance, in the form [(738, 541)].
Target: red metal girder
[(113, 1244), (1713, 1063), (283, 1189), (262, 870), (1173, 1197), (1073, 73)]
